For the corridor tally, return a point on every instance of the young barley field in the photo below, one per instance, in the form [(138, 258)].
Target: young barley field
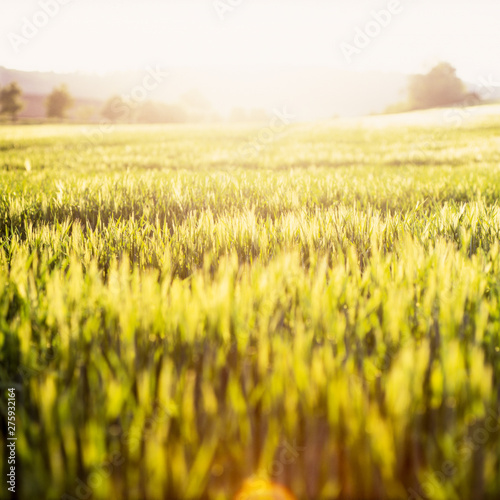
[(324, 314)]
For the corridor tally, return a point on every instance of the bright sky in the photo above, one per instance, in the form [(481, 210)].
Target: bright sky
[(104, 35)]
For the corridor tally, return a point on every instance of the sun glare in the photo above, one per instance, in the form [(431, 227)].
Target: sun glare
[(249, 249), (117, 35)]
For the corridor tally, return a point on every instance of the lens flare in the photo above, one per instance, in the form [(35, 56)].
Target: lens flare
[(263, 489)]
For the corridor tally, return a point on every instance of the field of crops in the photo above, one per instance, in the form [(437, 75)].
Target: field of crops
[(184, 308)]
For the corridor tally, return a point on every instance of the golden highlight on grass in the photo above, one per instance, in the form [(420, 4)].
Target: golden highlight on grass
[(259, 489), (176, 322)]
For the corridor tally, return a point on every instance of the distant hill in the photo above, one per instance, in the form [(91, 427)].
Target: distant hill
[(307, 93), (83, 109)]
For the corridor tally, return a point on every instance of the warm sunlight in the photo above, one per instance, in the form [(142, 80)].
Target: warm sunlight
[(120, 34), (250, 249)]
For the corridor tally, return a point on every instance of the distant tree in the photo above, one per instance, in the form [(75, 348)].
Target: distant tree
[(439, 87), (148, 112), (174, 113), (58, 102), (10, 100), (159, 112), (85, 113), (116, 109)]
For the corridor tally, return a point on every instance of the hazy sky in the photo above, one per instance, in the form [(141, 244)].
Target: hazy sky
[(102, 35)]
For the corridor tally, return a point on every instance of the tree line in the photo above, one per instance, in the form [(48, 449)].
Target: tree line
[(57, 103), (193, 107), (439, 87)]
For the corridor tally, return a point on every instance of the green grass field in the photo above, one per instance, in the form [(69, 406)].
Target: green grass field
[(177, 316)]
